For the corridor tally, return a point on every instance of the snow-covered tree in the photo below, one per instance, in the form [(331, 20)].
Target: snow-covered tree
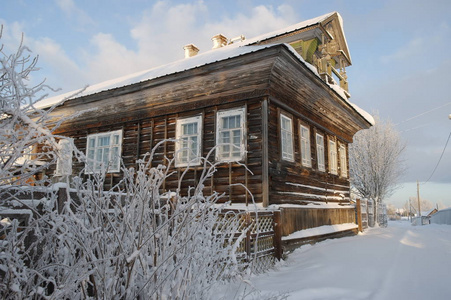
[(27, 142), (375, 160)]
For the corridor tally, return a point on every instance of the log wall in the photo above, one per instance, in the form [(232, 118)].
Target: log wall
[(141, 136)]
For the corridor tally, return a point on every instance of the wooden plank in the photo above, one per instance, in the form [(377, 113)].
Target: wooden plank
[(264, 155)]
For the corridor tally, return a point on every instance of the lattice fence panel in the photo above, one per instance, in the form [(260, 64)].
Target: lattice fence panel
[(258, 246)]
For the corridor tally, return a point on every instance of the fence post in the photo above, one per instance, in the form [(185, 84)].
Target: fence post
[(61, 199), (359, 214), (248, 236), (277, 241)]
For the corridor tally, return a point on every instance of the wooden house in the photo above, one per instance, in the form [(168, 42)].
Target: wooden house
[(277, 104)]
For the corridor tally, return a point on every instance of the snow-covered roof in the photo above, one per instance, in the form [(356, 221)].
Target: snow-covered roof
[(215, 55), (205, 58), (291, 28), (302, 25)]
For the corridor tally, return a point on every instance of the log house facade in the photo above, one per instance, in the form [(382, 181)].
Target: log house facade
[(276, 104)]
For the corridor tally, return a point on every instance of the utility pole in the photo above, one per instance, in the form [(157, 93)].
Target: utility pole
[(418, 197), (410, 211)]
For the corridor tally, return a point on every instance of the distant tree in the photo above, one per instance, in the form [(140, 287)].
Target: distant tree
[(425, 204), (375, 159)]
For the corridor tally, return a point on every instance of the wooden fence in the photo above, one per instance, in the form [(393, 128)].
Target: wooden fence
[(262, 243), (366, 216), (261, 246)]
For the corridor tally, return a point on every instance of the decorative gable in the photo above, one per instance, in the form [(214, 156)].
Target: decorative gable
[(321, 42)]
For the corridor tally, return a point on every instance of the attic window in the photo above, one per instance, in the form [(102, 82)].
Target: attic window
[(103, 152)]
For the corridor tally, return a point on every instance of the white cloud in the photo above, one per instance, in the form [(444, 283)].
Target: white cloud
[(72, 11), (412, 49), (111, 59), (159, 33), (65, 70), (164, 29), (422, 46), (11, 34)]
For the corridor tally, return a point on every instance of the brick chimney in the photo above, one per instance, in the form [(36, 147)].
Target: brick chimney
[(190, 50), (219, 41)]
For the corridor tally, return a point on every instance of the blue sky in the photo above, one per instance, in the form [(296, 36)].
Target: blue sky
[(399, 51)]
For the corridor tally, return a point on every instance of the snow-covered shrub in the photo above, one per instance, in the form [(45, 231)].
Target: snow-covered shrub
[(132, 241)]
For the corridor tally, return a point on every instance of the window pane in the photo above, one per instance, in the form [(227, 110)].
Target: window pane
[(225, 137), (230, 132), (237, 120), (106, 157), (92, 142), (91, 154), (225, 150), (237, 137), (286, 134), (188, 136), (194, 146), (320, 152), (225, 122), (115, 158), (104, 150)]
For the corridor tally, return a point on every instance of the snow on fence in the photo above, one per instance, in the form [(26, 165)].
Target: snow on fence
[(261, 247), (365, 214), (382, 217), (370, 211), (362, 213), (262, 244)]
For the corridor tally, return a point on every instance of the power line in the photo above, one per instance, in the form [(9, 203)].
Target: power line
[(422, 114), (439, 159)]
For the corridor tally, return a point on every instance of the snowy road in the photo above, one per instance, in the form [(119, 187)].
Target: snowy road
[(397, 262)]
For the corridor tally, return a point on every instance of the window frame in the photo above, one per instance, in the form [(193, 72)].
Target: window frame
[(342, 153), (320, 153), (284, 149), (92, 168), (195, 161), (333, 156), (64, 164), (306, 156), (219, 130)]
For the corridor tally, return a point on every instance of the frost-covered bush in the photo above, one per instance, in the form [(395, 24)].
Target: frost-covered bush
[(23, 126), (130, 241)]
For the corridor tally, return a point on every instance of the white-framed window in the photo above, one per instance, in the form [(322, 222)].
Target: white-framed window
[(343, 160), (230, 135), (286, 137), (305, 146), (189, 140), (333, 161), (64, 160), (320, 152), (103, 151)]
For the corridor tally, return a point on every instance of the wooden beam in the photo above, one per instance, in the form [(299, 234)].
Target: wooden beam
[(265, 155)]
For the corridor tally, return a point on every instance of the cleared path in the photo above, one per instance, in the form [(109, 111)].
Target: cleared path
[(397, 262)]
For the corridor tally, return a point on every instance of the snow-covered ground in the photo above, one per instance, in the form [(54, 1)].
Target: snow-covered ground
[(397, 262)]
